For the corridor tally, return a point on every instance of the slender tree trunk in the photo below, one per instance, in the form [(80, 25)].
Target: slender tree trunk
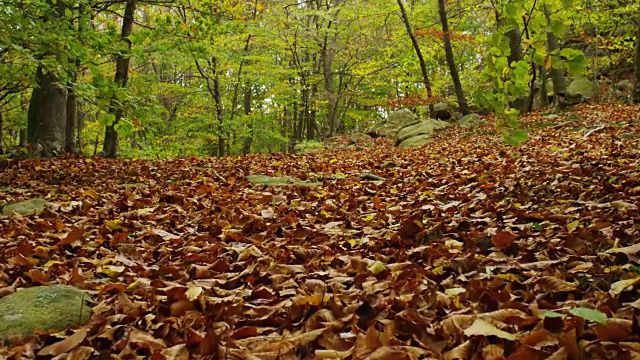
[(544, 101), (248, 140), (72, 120), (1, 132), (217, 98), (311, 117), (110, 146), (416, 48), (636, 86), (448, 49), (557, 75)]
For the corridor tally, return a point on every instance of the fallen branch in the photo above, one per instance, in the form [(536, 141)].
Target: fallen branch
[(218, 176), (593, 131)]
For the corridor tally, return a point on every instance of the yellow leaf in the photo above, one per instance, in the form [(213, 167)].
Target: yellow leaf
[(52, 262), (547, 62), (193, 292), (112, 271), (113, 225), (455, 291), (333, 161), (376, 268), (620, 286), (481, 327), (573, 225)]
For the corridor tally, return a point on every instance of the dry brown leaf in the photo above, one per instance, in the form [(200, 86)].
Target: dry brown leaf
[(552, 284), (65, 345)]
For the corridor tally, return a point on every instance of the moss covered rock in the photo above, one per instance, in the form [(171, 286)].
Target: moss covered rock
[(425, 127), (396, 121), (279, 181), (27, 207), (43, 309), (415, 141)]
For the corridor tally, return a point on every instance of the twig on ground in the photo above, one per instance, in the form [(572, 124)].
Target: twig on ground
[(601, 127), (218, 176)]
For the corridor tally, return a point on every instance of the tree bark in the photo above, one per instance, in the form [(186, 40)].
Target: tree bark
[(248, 140), (332, 97), (515, 45), (416, 48), (1, 132), (448, 49), (557, 75), (110, 146), (47, 116), (72, 120), (636, 86)]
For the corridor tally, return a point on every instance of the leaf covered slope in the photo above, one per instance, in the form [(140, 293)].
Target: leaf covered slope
[(462, 249)]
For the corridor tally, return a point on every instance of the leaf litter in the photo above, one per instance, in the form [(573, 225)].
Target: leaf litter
[(469, 249)]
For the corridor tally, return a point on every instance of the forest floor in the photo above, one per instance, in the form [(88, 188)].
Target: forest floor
[(466, 249)]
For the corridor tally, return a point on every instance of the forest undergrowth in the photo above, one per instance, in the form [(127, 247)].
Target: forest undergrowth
[(465, 248)]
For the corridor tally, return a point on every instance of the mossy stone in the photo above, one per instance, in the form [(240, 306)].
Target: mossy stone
[(47, 309), (27, 207), (279, 181)]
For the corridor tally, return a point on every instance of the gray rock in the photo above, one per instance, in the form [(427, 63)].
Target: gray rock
[(425, 127), (47, 309), (415, 141), (27, 207), (470, 120), (279, 181), (396, 121), (624, 86), (443, 111), (580, 90)]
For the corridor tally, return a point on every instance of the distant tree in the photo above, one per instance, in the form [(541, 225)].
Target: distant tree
[(451, 62), (636, 86)]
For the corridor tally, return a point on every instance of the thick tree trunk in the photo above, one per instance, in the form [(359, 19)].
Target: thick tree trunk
[(416, 48), (515, 45), (636, 86), (332, 97), (448, 49), (110, 146), (557, 75), (47, 116)]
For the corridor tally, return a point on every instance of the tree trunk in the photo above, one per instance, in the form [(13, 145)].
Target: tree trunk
[(110, 146), (557, 75), (311, 117), (217, 98), (515, 45), (1, 133), (416, 48), (448, 49), (332, 97), (636, 86), (544, 101), (248, 140), (47, 116), (72, 120)]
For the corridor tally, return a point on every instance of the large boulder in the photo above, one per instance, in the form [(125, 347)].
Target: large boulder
[(580, 90), (396, 121), (42, 309), (624, 86), (470, 120), (443, 111), (423, 129)]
